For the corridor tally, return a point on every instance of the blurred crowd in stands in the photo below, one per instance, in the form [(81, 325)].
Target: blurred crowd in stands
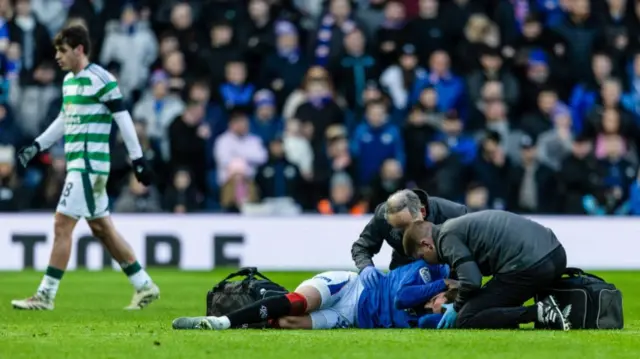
[(282, 106)]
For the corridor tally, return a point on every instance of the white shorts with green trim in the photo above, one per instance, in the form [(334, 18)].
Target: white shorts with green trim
[(84, 195)]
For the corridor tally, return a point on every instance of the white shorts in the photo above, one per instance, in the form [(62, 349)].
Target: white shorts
[(84, 195), (340, 292)]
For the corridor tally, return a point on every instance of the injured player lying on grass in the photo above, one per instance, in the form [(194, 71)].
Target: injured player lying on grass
[(407, 297)]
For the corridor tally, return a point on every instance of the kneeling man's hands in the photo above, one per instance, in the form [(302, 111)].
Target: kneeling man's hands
[(449, 318), (370, 276)]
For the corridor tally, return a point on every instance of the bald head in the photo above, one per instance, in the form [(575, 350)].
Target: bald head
[(403, 208)]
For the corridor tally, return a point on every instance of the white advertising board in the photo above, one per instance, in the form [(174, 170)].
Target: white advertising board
[(307, 242)]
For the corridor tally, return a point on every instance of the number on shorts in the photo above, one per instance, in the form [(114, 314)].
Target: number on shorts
[(67, 189)]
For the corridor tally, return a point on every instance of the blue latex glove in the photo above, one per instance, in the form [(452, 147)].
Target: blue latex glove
[(370, 276), (449, 318)]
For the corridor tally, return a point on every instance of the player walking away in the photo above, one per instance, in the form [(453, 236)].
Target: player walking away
[(523, 257), (91, 100), (390, 220), (339, 300)]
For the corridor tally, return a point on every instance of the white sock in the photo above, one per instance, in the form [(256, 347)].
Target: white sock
[(225, 322), (48, 288), (140, 280)]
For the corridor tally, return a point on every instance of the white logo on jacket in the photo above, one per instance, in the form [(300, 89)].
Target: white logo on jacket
[(425, 274)]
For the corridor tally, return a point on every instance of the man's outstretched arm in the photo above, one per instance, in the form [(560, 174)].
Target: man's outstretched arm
[(128, 132), (51, 135), (111, 97), (370, 241)]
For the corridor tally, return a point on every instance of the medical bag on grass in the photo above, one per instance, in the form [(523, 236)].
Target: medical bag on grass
[(595, 304), (228, 295)]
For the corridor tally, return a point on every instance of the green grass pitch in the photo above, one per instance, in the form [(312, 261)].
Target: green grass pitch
[(88, 322)]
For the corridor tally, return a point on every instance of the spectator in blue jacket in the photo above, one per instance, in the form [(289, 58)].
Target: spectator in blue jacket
[(582, 31), (585, 94), (450, 88), (284, 68), (619, 176), (462, 145), (552, 11), (633, 204), (631, 98), (266, 123), (374, 141), (10, 133), (235, 91)]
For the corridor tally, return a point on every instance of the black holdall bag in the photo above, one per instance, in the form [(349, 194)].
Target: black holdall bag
[(595, 304), (228, 295)]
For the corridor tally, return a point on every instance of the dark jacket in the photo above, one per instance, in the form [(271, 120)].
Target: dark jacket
[(278, 178), (579, 177), (290, 71), (445, 178), (546, 188), (352, 75), (212, 62), (377, 231), (490, 242), (42, 48), (187, 149), (415, 138), (428, 35), (582, 39), (321, 117)]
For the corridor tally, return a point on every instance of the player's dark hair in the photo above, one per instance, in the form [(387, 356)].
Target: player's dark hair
[(74, 36), (548, 89), (532, 17), (450, 295), (200, 83), (412, 236)]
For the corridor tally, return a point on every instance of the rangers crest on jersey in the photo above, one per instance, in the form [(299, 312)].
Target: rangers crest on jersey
[(425, 274)]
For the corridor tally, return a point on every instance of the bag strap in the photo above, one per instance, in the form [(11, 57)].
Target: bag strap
[(573, 272), (260, 275), (248, 272), (577, 272)]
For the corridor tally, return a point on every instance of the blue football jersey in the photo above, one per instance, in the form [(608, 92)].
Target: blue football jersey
[(387, 305)]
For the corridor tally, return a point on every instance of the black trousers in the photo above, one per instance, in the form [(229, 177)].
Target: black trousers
[(499, 303)]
